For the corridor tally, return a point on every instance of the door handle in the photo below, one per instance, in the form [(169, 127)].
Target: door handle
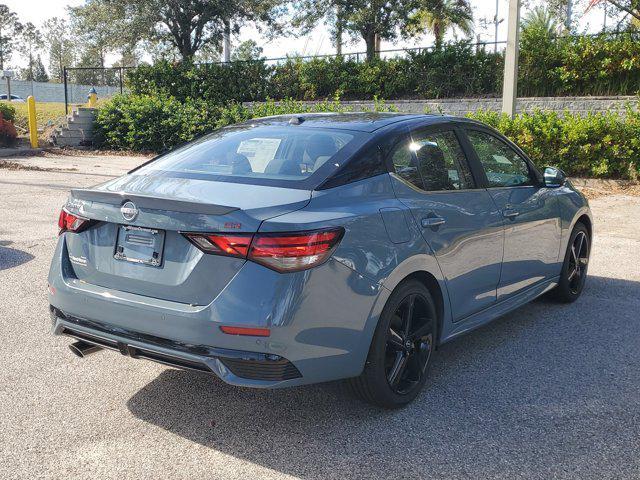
[(510, 213), (432, 222)]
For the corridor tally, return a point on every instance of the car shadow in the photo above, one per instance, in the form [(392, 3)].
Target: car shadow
[(531, 395), (11, 257)]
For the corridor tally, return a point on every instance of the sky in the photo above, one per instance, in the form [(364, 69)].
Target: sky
[(316, 43)]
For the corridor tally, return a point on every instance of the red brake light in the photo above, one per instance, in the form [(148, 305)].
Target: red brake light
[(283, 252), (67, 222)]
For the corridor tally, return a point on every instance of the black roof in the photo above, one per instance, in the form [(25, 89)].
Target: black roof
[(360, 121)]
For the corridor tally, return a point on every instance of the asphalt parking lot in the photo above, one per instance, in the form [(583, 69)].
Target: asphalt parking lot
[(549, 391)]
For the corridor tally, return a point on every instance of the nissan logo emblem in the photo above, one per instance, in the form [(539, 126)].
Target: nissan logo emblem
[(129, 211)]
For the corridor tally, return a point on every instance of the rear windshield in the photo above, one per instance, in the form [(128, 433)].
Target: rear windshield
[(275, 154)]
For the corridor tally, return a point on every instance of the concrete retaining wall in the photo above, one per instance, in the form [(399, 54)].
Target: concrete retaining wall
[(462, 106), (54, 92)]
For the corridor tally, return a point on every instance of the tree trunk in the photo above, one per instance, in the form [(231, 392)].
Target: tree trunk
[(378, 43), (1, 52), (437, 32), (370, 40), (338, 38)]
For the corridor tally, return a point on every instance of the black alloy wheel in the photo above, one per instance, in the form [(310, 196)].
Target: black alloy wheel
[(409, 344), (402, 348)]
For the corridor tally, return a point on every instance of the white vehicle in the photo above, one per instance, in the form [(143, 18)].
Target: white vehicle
[(14, 98)]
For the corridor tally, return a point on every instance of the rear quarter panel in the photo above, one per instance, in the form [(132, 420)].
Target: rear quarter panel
[(372, 248)]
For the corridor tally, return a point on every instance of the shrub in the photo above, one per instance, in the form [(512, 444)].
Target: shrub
[(8, 133), (7, 111), (597, 145), (584, 65), (157, 123), (455, 70)]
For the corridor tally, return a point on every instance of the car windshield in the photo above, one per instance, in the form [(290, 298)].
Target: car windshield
[(263, 153)]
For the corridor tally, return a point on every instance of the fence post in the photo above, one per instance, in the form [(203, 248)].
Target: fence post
[(66, 98), (33, 127)]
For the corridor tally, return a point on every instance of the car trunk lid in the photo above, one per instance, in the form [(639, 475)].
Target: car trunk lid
[(118, 251)]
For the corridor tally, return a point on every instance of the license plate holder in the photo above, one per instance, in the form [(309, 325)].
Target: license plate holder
[(140, 245)]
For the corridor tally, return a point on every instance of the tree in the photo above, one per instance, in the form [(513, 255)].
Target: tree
[(440, 16), (247, 51), (100, 29), (190, 25), (331, 12), (10, 28), (630, 7), (39, 72), (30, 43), (59, 43), (541, 19)]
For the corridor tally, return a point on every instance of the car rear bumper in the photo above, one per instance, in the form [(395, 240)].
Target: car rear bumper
[(321, 322), (233, 366)]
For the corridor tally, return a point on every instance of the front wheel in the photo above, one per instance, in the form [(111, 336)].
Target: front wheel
[(401, 350), (574, 268)]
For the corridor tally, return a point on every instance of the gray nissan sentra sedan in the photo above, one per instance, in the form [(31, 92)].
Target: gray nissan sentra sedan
[(299, 249)]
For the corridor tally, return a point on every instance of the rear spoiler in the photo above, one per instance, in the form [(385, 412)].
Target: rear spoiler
[(149, 202)]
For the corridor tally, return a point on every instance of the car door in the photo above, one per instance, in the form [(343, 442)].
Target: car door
[(531, 213), (458, 220)]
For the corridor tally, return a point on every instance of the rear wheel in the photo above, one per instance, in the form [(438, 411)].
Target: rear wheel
[(401, 350), (574, 268)]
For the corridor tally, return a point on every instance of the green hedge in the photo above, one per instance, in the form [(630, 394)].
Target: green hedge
[(597, 145), (156, 123), (427, 74), (584, 65)]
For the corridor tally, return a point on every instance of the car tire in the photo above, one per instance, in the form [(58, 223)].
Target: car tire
[(574, 268), (400, 354)]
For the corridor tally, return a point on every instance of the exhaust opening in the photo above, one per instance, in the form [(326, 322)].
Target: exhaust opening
[(82, 349)]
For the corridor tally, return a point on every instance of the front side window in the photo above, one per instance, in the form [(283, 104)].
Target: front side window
[(503, 166), (270, 153), (432, 162)]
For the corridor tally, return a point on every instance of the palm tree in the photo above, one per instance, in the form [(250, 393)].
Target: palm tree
[(440, 16), (543, 20)]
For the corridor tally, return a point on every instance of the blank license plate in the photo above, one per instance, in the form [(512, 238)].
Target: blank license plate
[(140, 245)]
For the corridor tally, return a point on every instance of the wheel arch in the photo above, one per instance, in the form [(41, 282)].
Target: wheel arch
[(431, 283), (586, 221)]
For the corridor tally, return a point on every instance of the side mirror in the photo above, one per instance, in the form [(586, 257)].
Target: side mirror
[(554, 177)]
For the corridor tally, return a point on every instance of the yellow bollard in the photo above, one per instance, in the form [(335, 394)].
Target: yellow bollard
[(33, 127)]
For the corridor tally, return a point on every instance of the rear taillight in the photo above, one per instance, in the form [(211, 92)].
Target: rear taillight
[(67, 222), (220, 244), (294, 251), (283, 252)]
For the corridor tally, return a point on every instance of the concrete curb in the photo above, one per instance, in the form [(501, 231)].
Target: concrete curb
[(20, 152), (603, 184)]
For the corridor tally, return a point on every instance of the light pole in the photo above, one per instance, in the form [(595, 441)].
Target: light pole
[(497, 22), (510, 87)]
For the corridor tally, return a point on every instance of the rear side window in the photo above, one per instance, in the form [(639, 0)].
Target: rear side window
[(276, 153), (503, 166), (432, 162)]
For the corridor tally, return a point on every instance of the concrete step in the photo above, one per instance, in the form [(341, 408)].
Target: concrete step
[(73, 134), (80, 126), (84, 110), (67, 142)]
